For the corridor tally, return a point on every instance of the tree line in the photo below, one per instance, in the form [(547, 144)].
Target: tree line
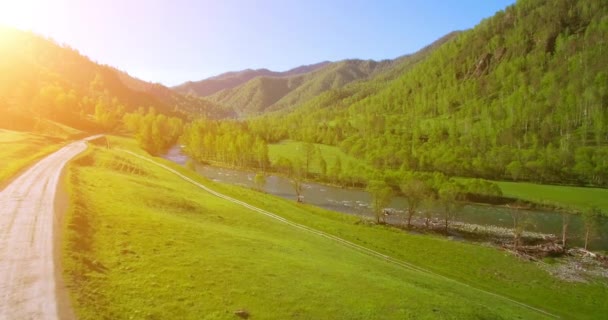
[(226, 142)]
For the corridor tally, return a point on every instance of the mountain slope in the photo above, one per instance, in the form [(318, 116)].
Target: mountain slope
[(272, 93), (523, 95), (183, 103), (268, 94), (230, 80), (42, 81)]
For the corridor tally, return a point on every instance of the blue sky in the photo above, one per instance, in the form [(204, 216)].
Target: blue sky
[(174, 41)]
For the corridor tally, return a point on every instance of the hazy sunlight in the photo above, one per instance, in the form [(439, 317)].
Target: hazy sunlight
[(272, 159), (24, 14)]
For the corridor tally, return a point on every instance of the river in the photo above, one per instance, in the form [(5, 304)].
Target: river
[(355, 201)]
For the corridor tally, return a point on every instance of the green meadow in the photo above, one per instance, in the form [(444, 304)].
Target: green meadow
[(580, 198), (19, 150), (142, 243)]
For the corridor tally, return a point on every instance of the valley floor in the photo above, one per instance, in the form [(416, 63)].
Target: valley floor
[(144, 243)]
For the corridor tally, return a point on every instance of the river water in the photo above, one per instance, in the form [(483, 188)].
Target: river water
[(356, 201)]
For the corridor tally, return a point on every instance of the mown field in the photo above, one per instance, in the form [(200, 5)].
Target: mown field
[(579, 198), (143, 243), (19, 150)]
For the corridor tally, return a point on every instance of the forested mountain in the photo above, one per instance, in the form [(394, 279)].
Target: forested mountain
[(40, 79), (522, 96), (189, 104), (230, 80), (263, 94)]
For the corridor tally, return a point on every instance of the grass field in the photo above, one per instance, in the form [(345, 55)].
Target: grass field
[(579, 198), (294, 149), (142, 243), (19, 150)]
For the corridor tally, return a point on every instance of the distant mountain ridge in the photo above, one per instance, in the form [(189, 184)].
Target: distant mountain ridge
[(265, 94), (232, 79), (268, 93)]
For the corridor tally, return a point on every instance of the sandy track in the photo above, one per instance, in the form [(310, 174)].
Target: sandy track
[(27, 224)]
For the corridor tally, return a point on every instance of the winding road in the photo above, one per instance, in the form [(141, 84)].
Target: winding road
[(28, 275)]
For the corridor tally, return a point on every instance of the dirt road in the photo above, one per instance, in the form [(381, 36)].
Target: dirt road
[(28, 287)]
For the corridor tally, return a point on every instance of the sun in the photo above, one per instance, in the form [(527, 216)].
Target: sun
[(22, 14)]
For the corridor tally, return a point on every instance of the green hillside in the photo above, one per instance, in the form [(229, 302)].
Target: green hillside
[(265, 91), (192, 255), (522, 96), (264, 94), (41, 81), (189, 104)]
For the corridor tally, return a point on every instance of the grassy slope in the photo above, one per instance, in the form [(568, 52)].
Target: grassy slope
[(21, 149), (578, 197), (144, 244)]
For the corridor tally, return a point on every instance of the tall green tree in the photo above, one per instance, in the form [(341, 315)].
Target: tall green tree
[(592, 219), (415, 191), (448, 199), (381, 195)]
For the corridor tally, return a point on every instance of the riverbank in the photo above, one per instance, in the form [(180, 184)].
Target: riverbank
[(357, 201), (568, 264), (533, 196)]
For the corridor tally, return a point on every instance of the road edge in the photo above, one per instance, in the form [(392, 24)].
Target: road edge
[(60, 208)]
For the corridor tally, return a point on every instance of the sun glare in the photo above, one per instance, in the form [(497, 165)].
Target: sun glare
[(23, 14)]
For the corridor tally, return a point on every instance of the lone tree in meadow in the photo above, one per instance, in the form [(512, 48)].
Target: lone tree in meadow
[(416, 191), (381, 197)]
